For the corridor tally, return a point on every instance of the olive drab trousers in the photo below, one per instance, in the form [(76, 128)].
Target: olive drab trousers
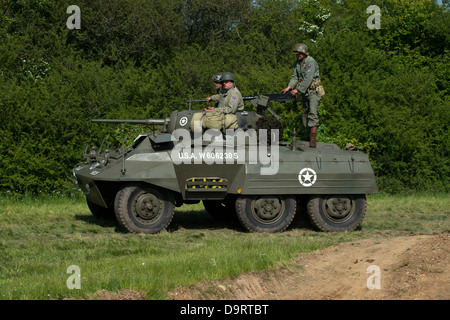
[(310, 102)]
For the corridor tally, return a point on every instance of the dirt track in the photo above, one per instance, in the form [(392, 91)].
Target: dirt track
[(410, 267)]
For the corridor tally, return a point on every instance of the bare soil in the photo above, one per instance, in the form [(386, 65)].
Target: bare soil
[(415, 267), (409, 267)]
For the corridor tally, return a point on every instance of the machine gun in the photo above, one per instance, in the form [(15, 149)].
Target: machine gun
[(280, 97), (260, 102), (182, 119), (277, 97)]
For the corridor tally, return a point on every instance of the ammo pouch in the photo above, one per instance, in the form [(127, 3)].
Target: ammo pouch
[(315, 85), (320, 91)]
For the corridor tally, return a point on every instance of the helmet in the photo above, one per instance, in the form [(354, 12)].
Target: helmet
[(301, 48), (228, 76), (217, 77)]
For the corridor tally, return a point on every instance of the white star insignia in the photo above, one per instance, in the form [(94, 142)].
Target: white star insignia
[(307, 176)]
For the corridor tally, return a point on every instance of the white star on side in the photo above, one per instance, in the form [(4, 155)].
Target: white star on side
[(307, 176)]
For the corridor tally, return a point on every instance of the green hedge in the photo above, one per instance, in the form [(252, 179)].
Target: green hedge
[(386, 90)]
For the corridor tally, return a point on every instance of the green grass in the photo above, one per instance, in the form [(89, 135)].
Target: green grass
[(40, 239)]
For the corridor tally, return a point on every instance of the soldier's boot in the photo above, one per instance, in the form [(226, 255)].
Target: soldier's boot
[(312, 139), (308, 134)]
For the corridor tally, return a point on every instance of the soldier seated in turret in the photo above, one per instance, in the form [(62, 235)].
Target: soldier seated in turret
[(229, 100)]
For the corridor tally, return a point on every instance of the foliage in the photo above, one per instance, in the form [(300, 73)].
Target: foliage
[(386, 90)]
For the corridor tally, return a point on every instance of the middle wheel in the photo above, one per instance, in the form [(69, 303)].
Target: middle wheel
[(266, 213)]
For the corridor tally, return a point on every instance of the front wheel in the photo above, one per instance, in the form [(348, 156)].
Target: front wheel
[(144, 209), (266, 213), (336, 213)]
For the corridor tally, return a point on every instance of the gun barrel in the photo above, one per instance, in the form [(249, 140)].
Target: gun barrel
[(144, 121), (280, 97), (250, 98), (197, 101), (204, 100)]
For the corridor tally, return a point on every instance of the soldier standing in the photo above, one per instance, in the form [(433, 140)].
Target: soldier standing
[(306, 80)]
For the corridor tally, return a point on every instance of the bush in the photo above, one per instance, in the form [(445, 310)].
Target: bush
[(386, 90)]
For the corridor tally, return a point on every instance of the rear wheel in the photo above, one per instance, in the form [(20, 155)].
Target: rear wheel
[(336, 213), (144, 209), (266, 213)]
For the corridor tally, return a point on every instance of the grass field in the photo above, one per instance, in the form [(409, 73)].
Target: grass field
[(40, 240)]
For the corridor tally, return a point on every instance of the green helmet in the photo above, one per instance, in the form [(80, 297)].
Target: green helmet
[(301, 48), (217, 77), (228, 76)]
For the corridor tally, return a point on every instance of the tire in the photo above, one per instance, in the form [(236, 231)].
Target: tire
[(100, 212), (266, 213), (336, 213), (142, 209)]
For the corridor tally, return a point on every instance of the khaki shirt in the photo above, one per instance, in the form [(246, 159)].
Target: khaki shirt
[(231, 101), (306, 71), (216, 98)]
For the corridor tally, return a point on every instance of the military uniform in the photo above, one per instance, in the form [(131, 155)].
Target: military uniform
[(227, 103), (223, 116), (306, 79), (230, 101), (216, 98)]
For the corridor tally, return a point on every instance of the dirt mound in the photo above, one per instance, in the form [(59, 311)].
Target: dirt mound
[(409, 267)]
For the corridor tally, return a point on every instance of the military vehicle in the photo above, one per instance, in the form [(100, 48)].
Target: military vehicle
[(262, 183)]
